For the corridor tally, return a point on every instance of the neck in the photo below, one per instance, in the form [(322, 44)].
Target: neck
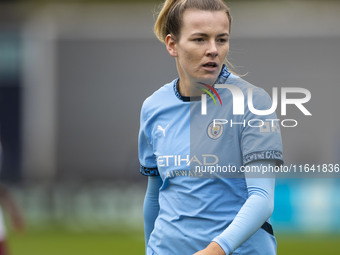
[(187, 87)]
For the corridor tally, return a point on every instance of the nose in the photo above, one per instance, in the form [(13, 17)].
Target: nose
[(212, 49)]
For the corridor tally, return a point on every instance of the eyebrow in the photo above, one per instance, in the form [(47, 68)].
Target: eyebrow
[(203, 34)]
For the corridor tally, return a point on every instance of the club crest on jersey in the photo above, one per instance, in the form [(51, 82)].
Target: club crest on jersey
[(215, 131)]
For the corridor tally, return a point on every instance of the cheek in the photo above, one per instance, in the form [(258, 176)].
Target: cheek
[(227, 49), (224, 50), (189, 56)]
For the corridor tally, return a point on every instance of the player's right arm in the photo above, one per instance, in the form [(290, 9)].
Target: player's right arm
[(151, 205), (148, 167)]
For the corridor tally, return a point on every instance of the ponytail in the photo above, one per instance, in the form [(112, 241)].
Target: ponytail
[(169, 19), (160, 28)]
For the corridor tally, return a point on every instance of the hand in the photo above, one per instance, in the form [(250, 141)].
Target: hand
[(212, 249)]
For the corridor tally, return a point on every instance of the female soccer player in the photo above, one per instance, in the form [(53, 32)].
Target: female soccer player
[(198, 201)]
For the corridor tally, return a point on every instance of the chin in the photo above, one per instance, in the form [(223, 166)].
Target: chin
[(208, 79)]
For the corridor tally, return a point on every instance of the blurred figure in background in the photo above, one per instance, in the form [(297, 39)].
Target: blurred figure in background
[(8, 205)]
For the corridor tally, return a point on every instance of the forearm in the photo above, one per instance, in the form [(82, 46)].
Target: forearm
[(151, 205), (255, 211)]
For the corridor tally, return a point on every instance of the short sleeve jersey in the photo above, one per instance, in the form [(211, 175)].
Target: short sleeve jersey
[(178, 143)]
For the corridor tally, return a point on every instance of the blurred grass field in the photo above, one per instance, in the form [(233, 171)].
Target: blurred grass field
[(59, 241)]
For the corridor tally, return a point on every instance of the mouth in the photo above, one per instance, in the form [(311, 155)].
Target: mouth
[(210, 66)]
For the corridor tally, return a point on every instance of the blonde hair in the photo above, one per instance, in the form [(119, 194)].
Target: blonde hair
[(169, 19)]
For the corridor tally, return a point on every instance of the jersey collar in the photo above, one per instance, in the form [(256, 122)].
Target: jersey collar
[(222, 78)]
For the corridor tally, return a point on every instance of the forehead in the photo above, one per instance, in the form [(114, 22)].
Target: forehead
[(201, 21)]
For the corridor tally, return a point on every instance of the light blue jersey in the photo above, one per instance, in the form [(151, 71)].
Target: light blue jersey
[(198, 197)]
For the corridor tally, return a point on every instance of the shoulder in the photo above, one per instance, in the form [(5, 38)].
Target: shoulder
[(258, 95), (245, 85), (158, 99)]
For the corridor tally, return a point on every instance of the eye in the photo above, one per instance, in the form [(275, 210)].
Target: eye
[(222, 40), (198, 39)]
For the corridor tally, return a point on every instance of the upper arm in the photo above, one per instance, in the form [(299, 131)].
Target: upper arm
[(147, 159), (261, 137)]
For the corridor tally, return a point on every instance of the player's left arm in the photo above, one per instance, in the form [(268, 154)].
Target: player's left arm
[(252, 215)]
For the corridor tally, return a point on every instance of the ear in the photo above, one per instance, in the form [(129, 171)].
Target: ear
[(171, 45)]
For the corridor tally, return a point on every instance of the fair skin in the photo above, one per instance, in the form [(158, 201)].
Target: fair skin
[(200, 50)]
